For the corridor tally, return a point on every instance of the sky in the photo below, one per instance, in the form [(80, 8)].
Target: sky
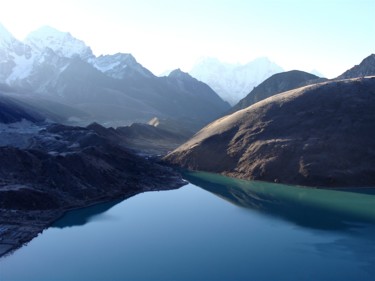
[(329, 36)]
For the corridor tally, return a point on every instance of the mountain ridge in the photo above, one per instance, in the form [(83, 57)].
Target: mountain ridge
[(62, 43), (365, 68), (277, 83), (112, 89)]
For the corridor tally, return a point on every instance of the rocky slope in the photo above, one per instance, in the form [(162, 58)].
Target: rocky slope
[(318, 135), (365, 68), (46, 169), (276, 84)]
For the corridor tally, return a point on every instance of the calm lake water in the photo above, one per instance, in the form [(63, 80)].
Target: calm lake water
[(215, 228)]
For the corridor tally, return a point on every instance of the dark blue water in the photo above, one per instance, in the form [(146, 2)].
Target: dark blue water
[(223, 230)]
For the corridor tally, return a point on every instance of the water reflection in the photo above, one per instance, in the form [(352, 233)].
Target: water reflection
[(85, 215), (313, 208)]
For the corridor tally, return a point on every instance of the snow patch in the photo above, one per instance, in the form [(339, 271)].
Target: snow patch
[(22, 69), (106, 67), (62, 43)]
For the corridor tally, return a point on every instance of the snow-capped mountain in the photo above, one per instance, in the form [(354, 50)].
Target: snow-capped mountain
[(62, 43), (37, 62), (110, 89), (6, 38), (233, 81), (119, 66), (12, 53), (22, 65)]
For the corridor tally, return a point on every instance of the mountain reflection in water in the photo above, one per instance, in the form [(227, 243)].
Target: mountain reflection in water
[(85, 215), (273, 232), (308, 207)]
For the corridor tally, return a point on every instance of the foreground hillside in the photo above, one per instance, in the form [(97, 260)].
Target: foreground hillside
[(318, 135), (47, 169)]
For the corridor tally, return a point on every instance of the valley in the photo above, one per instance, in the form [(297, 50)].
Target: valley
[(79, 130)]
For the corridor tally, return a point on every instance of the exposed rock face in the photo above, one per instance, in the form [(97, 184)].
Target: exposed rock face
[(365, 68), (318, 135), (276, 84)]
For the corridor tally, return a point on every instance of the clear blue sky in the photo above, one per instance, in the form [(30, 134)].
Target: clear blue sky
[(327, 35)]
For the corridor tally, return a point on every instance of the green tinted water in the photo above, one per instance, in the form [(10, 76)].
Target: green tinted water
[(260, 231)]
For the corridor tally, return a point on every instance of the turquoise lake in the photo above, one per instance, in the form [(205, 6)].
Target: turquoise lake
[(214, 228)]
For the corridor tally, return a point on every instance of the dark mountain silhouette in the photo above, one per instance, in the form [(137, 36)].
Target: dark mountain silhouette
[(276, 84), (365, 68)]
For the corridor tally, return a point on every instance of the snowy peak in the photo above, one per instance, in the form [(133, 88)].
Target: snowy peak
[(49, 46), (119, 66), (234, 81), (62, 43), (12, 54), (10, 46), (179, 74), (259, 63), (6, 38)]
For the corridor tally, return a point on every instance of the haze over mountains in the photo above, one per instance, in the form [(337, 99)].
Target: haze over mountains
[(288, 80), (234, 81), (115, 89)]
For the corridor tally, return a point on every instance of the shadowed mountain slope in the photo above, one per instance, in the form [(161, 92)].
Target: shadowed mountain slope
[(365, 68), (276, 84), (318, 135)]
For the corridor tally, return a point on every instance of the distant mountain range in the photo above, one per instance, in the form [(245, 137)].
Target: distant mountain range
[(234, 81), (289, 80), (111, 89)]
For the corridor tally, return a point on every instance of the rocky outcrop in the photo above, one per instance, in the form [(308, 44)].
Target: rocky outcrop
[(318, 135), (365, 68)]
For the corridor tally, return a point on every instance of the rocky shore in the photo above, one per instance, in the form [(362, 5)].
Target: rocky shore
[(56, 168)]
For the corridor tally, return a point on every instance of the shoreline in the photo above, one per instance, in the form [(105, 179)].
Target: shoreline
[(19, 227)]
